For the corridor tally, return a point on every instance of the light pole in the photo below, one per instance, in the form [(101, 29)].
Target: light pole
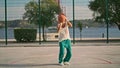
[(73, 22), (39, 24), (107, 21), (6, 22), (64, 9), (59, 3)]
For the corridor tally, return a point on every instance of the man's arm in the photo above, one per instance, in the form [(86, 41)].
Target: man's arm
[(69, 24), (58, 27)]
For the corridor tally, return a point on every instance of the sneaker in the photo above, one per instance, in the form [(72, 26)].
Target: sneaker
[(61, 64), (66, 63)]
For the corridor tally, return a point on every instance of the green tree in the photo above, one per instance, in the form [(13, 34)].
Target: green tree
[(99, 8), (49, 9), (80, 28)]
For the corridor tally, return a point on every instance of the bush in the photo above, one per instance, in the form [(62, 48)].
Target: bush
[(25, 35)]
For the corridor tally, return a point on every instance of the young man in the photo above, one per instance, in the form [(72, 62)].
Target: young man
[(64, 39)]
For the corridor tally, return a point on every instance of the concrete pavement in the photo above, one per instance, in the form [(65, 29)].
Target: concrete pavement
[(47, 57)]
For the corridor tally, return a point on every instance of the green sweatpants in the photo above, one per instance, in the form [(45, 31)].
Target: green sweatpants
[(65, 44)]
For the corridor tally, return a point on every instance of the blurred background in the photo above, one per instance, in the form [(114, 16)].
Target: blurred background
[(87, 16)]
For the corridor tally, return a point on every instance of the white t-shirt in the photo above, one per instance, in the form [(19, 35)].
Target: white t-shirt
[(64, 33)]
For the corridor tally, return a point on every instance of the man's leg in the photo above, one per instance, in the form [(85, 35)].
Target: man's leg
[(61, 51), (69, 53)]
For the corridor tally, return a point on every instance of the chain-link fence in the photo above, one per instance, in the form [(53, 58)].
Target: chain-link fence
[(77, 11)]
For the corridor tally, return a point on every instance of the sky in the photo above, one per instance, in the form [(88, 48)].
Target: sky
[(16, 9)]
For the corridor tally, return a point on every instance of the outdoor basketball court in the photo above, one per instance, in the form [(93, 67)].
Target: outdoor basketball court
[(47, 57)]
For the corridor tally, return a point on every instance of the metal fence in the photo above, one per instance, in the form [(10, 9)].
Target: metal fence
[(12, 11)]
